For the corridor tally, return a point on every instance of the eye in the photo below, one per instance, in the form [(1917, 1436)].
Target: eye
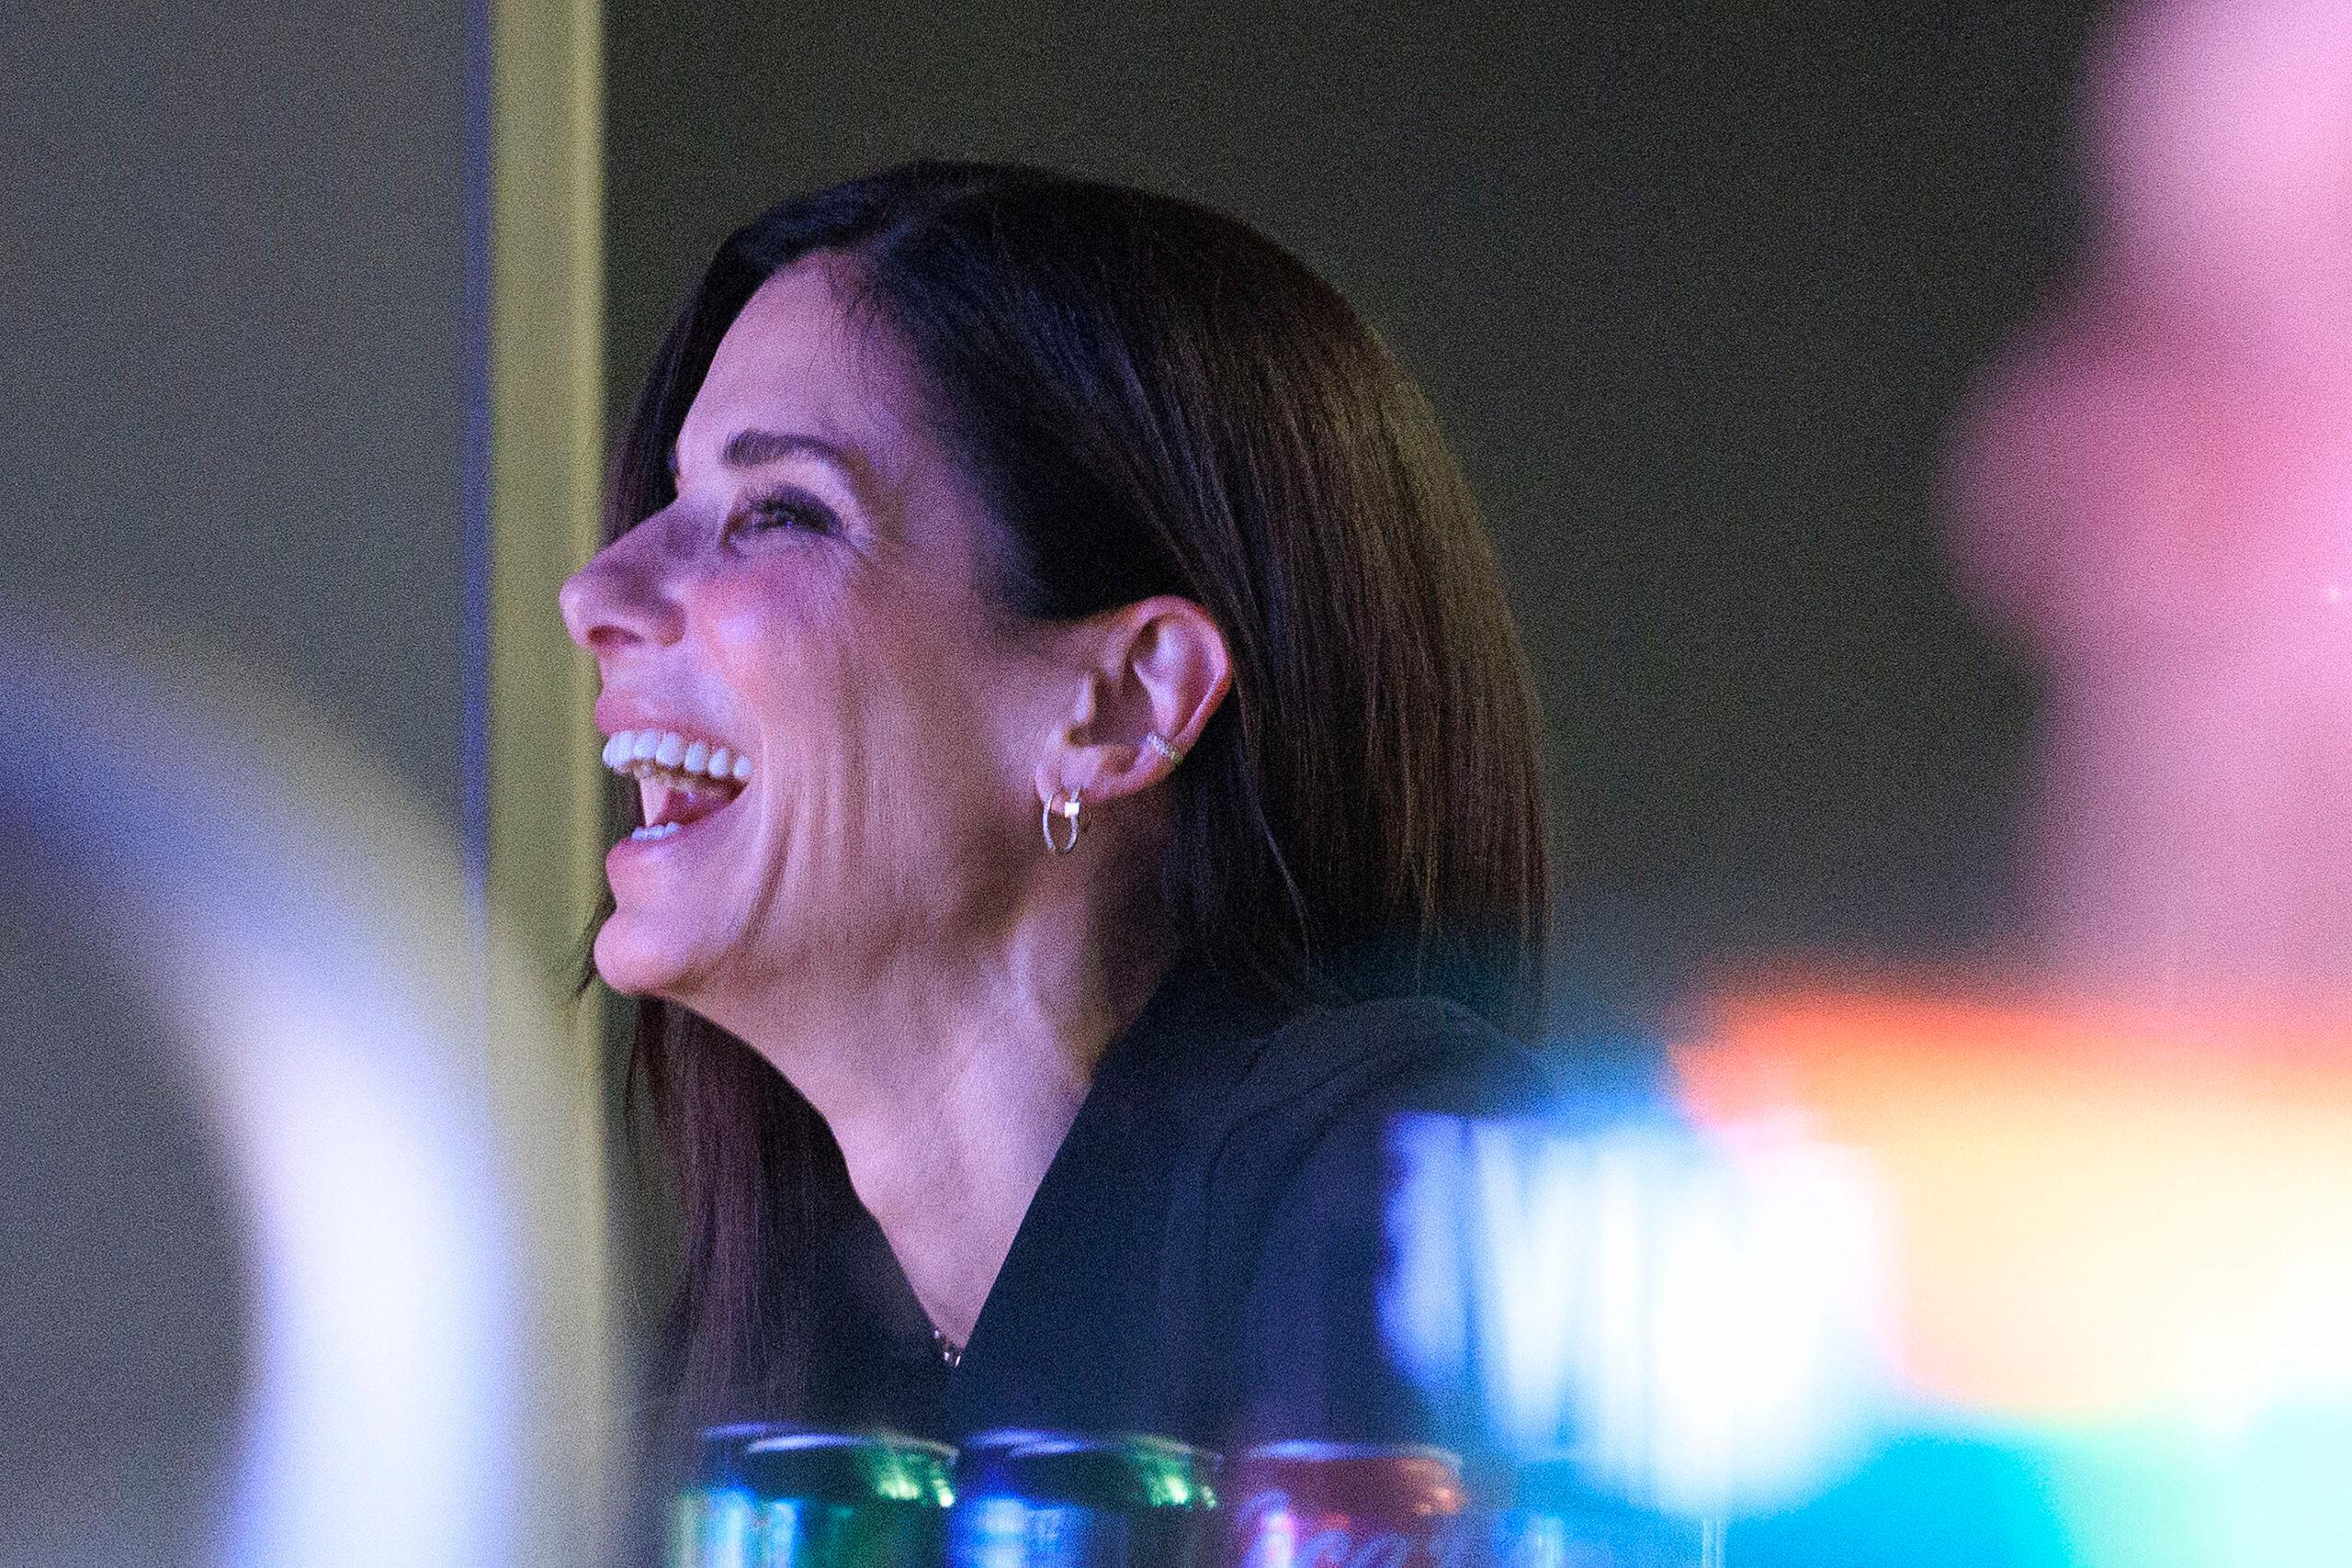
[(783, 512)]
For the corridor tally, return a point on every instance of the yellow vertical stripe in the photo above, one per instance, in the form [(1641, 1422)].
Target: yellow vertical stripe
[(547, 440), (545, 826)]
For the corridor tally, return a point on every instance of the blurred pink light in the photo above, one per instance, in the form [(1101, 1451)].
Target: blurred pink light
[(2219, 140), (2154, 489)]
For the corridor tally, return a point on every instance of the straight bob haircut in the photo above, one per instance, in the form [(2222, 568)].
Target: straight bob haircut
[(1150, 398)]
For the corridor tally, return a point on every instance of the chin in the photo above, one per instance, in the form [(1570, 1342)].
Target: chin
[(634, 961)]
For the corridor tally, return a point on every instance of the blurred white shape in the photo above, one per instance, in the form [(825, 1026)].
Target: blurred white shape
[(1699, 1317), (389, 1090), (376, 1424)]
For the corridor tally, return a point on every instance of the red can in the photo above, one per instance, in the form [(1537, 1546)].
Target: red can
[(1305, 1505)]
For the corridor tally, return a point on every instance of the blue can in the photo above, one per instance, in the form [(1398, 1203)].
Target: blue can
[(1030, 1499)]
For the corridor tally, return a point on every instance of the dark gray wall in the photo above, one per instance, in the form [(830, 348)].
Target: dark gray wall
[(1693, 287), (236, 382), (233, 406), (122, 1279)]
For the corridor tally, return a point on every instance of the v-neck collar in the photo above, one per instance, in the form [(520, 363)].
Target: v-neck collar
[(1146, 1083), (1153, 1082)]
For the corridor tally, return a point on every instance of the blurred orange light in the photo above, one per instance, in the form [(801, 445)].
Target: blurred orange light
[(2101, 1212)]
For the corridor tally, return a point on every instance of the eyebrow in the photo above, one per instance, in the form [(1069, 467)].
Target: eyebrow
[(751, 448)]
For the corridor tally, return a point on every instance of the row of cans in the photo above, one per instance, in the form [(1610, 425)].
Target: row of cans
[(772, 1498)]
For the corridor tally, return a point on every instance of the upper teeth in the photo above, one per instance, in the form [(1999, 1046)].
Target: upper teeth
[(639, 751)]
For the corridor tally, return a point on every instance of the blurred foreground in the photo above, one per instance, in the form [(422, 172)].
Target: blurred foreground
[(299, 1188), (2050, 1264)]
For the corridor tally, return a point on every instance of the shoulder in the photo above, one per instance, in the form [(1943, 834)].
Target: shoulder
[(1295, 1202), (1340, 1076)]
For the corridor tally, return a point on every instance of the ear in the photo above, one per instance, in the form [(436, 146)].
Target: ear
[(1158, 667)]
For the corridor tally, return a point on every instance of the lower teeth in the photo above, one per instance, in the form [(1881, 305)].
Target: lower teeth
[(661, 831)]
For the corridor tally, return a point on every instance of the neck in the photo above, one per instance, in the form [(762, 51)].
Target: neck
[(949, 1083)]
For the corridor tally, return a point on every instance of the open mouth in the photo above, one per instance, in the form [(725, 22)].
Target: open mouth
[(680, 779)]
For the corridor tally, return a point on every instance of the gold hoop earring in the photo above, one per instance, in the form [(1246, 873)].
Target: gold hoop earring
[(1067, 808), (1160, 743)]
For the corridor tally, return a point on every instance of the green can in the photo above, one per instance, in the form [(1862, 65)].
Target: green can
[(711, 1522), (847, 1500)]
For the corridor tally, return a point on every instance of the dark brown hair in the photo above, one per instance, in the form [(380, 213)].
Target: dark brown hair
[(1152, 399)]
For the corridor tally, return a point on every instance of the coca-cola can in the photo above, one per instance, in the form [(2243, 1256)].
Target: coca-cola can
[(1313, 1504), (1032, 1499)]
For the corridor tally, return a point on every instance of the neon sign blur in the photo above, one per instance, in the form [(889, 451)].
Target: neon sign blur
[(1695, 1316)]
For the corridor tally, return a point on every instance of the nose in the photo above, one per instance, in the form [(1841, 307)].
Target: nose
[(621, 598)]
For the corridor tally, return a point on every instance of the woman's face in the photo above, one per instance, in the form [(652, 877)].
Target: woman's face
[(814, 603)]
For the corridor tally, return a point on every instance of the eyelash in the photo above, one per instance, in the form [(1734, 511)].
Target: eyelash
[(787, 511)]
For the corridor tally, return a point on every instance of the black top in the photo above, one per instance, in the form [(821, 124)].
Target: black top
[(1204, 1255)]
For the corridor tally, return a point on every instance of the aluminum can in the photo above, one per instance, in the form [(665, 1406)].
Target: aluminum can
[(1549, 1514), (711, 1519), (1312, 1504), (1030, 1499), (846, 1500)]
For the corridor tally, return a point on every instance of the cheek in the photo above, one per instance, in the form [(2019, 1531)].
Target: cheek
[(816, 648), (773, 614), (799, 658), (891, 710)]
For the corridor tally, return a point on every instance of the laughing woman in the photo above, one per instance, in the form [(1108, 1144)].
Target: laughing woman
[(1089, 788)]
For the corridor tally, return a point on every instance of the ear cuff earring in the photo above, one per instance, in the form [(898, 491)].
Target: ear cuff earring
[(1065, 806), (1159, 743)]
